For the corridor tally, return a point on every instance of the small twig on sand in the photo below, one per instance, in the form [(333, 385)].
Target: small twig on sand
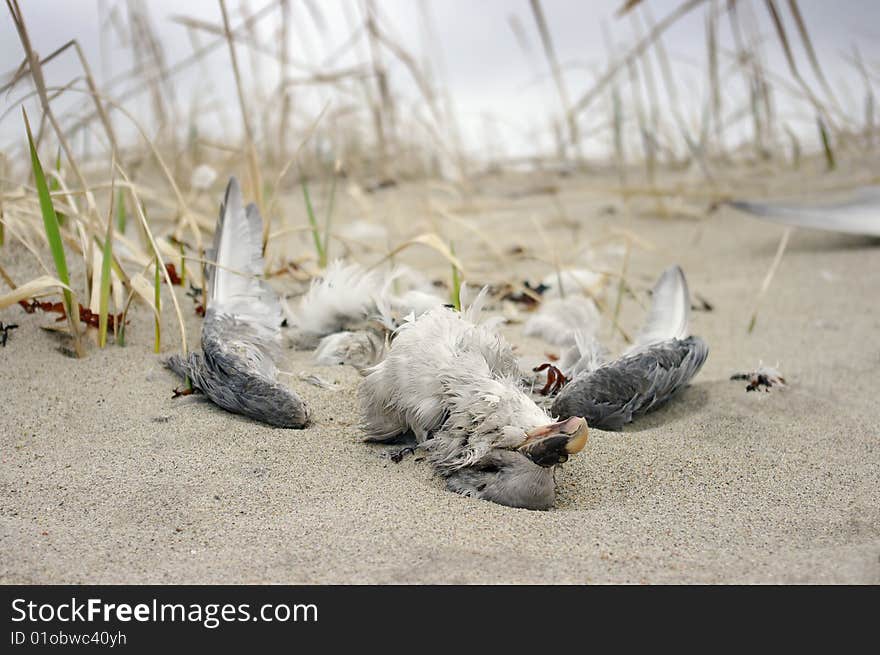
[(783, 242)]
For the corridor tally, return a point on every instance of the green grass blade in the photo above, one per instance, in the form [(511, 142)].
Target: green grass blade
[(182, 267), (54, 185), (795, 148), (313, 222), (2, 213), (106, 261), (120, 325), (456, 282), (53, 235), (120, 211), (752, 322)]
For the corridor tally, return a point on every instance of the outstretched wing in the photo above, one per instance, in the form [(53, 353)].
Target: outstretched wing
[(237, 368), (857, 215)]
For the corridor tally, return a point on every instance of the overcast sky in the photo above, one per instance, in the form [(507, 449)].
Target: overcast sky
[(492, 80)]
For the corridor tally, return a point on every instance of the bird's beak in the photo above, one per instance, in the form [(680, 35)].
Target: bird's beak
[(552, 444)]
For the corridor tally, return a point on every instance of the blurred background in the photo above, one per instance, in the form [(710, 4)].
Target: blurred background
[(513, 138), (491, 80)]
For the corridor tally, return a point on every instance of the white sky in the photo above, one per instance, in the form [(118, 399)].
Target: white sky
[(492, 81)]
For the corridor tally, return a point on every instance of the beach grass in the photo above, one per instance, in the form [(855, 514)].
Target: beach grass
[(53, 236), (380, 136), (106, 274)]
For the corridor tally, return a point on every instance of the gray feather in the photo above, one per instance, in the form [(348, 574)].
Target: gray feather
[(237, 368), (859, 214), (612, 395)]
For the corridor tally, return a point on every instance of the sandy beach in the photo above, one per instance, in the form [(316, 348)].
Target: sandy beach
[(107, 479)]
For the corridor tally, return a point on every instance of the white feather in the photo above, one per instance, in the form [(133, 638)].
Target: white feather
[(235, 286), (445, 362), (416, 302), (348, 294), (858, 215), (361, 230), (669, 316), (360, 349), (558, 319), (404, 292), (575, 281), (203, 176), (342, 296), (585, 356)]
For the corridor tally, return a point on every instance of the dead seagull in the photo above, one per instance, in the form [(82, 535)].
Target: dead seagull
[(241, 343), (456, 385), (609, 394)]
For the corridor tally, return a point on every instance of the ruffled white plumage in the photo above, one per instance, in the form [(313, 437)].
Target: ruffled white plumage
[(408, 390), (558, 319), (341, 297), (348, 299), (574, 281)]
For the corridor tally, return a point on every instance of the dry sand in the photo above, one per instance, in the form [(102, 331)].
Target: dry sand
[(106, 479)]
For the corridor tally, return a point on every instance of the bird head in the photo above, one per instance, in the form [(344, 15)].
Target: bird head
[(551, 444), (500, 446)]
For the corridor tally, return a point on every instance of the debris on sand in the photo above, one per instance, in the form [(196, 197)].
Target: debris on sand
[(4, 332), (186, 391), (763, 378), (318, 381)]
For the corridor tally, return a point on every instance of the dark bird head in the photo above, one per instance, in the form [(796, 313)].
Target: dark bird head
[(499, 446)]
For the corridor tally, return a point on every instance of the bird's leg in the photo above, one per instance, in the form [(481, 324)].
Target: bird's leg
[(178, 392), (4, 332), (400, 454), (555, 378), (560, 381), (542, 367), (551, 381)]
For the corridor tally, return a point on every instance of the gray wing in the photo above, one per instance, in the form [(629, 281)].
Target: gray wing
[(241, 331), (859, 214), (612, 395), (225, 373)]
